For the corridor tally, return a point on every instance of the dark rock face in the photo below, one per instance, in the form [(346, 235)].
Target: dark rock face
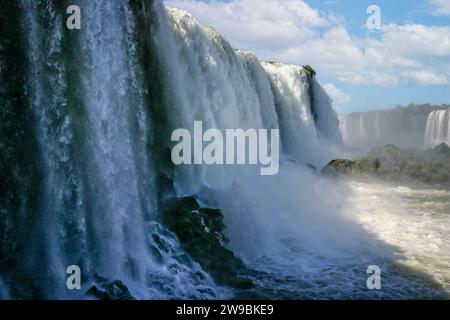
[(337, 167), (309, 71), (200, 231), (442, 150), (114, 290)]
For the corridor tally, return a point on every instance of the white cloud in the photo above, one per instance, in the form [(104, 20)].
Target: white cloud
[(402, 54), (440, 7), (291, 31), (427, 77), (336, 94), (248, 23)]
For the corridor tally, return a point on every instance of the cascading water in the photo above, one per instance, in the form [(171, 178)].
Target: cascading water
[(403, 127), (292, 101), (438, 128), (326, 121), (308, 124), (378, 131), (85, 129), (206, 82), (96, 200)]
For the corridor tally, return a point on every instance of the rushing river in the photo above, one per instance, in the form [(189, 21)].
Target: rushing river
[(402, 230)]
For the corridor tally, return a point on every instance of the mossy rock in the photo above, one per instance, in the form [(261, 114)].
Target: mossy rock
[(367, 165), (309, 71), (338, 166), (431, 167), (442, 150), (274, 63)]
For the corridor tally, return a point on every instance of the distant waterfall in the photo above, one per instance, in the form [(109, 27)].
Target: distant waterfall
[(403, 127), (438, 128)]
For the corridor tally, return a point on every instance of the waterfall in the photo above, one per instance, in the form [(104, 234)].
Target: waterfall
[(96, 204), (358, 129), (262, 85), (304, 137), (292, 100), (403, 127), (85, 131), (231, 89), (327, 122), (207, 82), (438, 128), (378, 131)]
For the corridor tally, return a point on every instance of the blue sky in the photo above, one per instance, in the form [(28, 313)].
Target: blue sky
[(407, 61)]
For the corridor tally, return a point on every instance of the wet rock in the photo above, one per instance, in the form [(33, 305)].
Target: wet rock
[(338, 166), (114, 290), (200, 231), (441, 150), (309, 71)]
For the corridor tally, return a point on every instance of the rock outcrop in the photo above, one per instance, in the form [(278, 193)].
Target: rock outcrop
[(200, 231)]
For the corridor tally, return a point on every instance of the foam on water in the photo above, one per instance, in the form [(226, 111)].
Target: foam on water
[(415, 222), (321, 249)]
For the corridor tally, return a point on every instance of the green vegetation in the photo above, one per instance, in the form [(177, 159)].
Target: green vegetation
[(274, 63), (395, 164), (309, 71)]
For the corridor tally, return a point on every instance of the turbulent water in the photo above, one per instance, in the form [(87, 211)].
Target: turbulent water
[(438, 128), (415, 221), (411, 127), (85, 162)]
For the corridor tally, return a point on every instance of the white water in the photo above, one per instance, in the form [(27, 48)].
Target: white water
[(327, 122), (298, 130), (294, 227), (239, 98), (438, 128), (319, 247), (416, 222), (231, 91), (207, 82), (225, 89), (98, 206)]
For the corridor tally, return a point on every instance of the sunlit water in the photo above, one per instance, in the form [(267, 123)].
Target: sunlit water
[(403, 231), (416, 222)]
